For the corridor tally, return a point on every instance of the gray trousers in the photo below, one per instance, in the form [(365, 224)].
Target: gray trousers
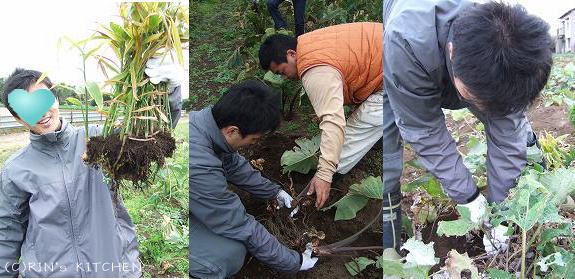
[(506, 156), (213, 256)]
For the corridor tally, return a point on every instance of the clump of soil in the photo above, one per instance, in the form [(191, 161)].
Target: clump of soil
[(132, 161), (310, 224)]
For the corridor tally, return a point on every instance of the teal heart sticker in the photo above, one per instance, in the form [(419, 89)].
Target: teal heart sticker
[(30, 107)]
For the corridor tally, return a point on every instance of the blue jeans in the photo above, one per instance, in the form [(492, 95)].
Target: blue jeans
[(299, 15)]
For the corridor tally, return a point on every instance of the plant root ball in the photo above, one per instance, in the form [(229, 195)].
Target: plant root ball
[(135, 159)]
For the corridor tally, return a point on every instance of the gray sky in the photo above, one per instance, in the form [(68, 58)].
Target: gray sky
[(31, 29)]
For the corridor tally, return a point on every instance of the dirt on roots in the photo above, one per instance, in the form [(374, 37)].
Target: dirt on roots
[(133, 161), (310, 224)]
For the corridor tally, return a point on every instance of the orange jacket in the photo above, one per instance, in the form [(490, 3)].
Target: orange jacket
[(354, 49)]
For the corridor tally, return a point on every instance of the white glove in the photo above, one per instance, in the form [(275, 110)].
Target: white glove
[(165, 70), (284, 199), (307, 260), (477, 209), (498, 238)]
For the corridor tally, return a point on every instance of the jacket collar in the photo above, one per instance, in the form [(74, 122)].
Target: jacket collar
[(218, 141), (49, 141)]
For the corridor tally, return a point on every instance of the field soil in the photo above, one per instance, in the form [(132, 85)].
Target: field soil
[(270, 149)]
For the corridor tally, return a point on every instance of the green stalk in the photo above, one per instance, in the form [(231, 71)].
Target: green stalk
[(523, 252), (85, 112)]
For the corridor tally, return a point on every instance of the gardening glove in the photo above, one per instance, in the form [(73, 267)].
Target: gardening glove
[(284, 199), (498, 240), (477, 209), (307, 261), (165, 70)]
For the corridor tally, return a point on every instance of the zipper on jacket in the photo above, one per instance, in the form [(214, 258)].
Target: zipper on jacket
[(74, 244)]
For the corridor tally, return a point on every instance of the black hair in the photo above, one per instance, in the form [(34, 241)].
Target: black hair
[(22, 79), (274, 49), (502, 55), (251, 106)]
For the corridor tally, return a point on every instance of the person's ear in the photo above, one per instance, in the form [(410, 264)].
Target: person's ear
[(231, 130), (290, 52)]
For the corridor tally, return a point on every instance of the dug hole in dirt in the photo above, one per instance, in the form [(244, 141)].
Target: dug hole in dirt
[(310, 225), (133, 161)]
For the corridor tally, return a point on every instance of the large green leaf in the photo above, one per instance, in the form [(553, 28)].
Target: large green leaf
[(560, 182), (96, 94), (303, 157), (457, 227), (527, 202), (370, 187), (420, 254), (358, 265), (348, 206)]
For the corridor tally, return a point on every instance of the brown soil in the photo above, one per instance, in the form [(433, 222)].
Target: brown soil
[(136, 157), (290, 233)]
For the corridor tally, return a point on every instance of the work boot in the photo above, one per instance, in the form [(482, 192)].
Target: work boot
[(392, 221)]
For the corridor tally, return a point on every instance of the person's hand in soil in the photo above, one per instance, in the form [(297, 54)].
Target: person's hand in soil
[(321, 189)]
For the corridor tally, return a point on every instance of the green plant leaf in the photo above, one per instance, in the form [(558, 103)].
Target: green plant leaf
[(457, 227), (95, 93), (358, 265), (273, 79), (546, 262), (526, 203), (426, 182), (391, 263), (560, 182), (457, 263), (303, 157), (74, 101), (499, 274), (420, 254), (348, 206), (370, 187)]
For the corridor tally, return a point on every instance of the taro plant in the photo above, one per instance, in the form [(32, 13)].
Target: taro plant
[(137, 130), (357, 197), (303, 158)]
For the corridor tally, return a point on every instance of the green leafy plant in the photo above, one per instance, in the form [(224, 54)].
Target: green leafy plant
[(137, 129), (303, 158), (357, 197)]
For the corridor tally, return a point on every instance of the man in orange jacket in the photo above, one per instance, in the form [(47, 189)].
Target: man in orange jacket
[(338, 65)]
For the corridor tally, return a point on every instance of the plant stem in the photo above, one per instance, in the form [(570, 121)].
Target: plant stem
[(523, 252)]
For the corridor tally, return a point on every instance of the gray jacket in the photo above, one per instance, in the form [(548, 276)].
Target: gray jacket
[(57, 215), (213, 164), (418, 82)]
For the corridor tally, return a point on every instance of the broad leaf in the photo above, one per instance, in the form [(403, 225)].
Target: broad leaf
[(457, 227), (391, 263), (553, 259), (560, 182), (358, 265), (370, 187), (457, 263), (527, 202), (420, 254), (303, 157), (348, 206)]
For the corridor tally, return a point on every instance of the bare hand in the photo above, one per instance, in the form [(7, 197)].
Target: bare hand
[(321, 189)]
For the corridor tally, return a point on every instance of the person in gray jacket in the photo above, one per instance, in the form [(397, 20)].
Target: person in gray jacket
[(491, 58), (221, 232), (57, 218)]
